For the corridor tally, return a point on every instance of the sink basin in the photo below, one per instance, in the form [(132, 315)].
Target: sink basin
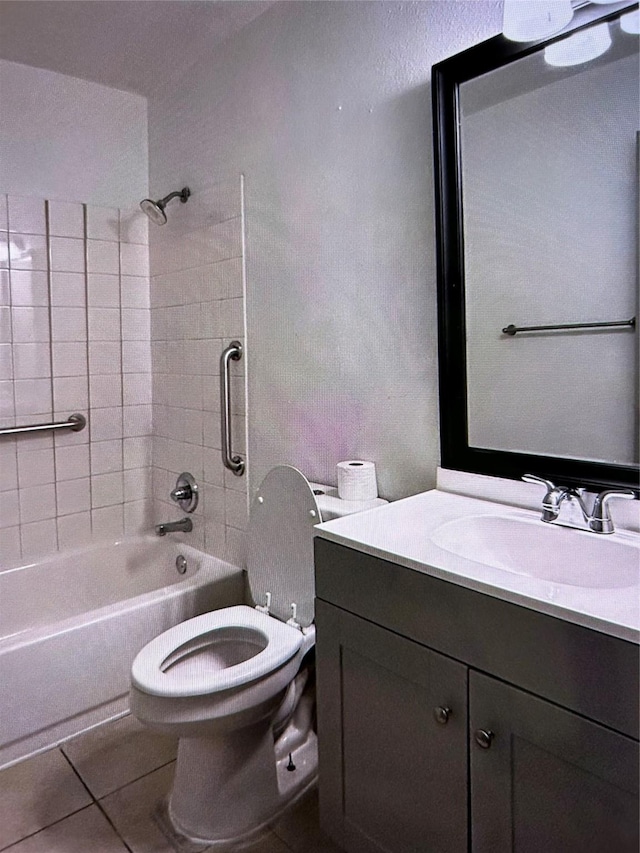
[(529, 547)]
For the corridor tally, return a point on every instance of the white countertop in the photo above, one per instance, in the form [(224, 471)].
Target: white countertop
[(400, 532)]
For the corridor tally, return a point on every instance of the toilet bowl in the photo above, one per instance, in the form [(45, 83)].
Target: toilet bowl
[(236, 685)]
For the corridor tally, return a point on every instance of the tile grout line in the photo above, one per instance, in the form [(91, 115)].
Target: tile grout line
[(96, 802), (48, 826)]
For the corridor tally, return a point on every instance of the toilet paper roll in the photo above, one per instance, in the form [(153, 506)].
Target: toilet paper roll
[(357, 480)]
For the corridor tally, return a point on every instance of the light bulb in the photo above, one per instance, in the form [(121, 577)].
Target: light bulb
[(579, 47), (530, 20)]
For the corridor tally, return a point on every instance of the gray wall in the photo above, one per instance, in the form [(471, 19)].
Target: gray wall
[(326, 109)]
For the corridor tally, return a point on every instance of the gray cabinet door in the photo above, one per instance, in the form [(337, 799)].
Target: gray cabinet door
[(392, 778), (550, 780)]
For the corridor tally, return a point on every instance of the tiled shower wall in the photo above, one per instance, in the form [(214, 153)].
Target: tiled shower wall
[(74, 337), (197, 308)]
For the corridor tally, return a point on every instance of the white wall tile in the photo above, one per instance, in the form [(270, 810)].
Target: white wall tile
[(102, 223), (30, 325), (4, 250), (136, 421), (32, 396), (74, 530), (7, 403), (108, 522), (70, 394), (73, 496), (136, 389), (37, 503), (31, 361), (9, 507), (138, 517), (29, 288), (137, 452), (67, 254), (69, 324), (68, 288), (135, 291), (6, 361), (72, 463), (136, 357), (66, 219), (26, 215), (102, 257), (104, 357), (38, 539), (107, 424), (5, 289), (103, 290), (134, 259), (105, 390), (104, 324), (106, 490), (135, 324), (4, 215), (27, 252), (106, 457), (6, 335), (69, 358), (10, 545)]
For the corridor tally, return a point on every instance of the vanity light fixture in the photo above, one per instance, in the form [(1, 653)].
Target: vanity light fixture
[(630, 23), (535, 19), (579, 47)]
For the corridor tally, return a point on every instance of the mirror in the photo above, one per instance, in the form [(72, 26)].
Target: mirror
[(537, 163)]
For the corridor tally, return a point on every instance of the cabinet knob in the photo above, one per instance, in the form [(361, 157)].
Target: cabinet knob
[(483, 738), (442, 714)]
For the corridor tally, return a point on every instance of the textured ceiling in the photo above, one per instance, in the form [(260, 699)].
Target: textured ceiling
[(135, 45)]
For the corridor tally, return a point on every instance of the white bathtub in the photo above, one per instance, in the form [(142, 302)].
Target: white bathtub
[(71, 625)]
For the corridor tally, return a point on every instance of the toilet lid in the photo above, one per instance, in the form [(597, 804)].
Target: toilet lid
[(280, 544)]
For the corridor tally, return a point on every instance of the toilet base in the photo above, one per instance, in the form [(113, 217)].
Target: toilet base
[(232, 805)]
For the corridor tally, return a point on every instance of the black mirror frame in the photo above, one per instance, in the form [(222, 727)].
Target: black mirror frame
[(455, 450)]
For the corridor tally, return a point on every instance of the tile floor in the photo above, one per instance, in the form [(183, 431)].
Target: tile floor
[(96, 792)]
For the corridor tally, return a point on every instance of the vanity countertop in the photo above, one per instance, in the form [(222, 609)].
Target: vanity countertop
[(403, 532)]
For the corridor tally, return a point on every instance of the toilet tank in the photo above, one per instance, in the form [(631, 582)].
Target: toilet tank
[(331, 506)]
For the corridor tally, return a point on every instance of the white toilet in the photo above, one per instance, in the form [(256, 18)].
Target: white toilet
[(232, 685)]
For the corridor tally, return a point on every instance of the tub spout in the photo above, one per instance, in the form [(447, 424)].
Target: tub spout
[(185, 525)]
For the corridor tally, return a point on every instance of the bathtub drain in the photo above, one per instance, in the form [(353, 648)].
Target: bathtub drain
[(181, 564)]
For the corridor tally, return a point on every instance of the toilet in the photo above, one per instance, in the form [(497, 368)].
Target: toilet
[(236, 685)]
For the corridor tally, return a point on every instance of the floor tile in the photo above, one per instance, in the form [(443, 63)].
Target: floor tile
[(84, 831), (117, 753), (300, 829), (36, 793), (130, 809)]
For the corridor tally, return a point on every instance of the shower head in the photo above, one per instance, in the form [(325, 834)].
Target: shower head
[(155, 209)]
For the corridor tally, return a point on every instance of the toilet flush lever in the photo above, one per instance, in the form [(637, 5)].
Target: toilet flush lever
[(293, 621), (264, 608)]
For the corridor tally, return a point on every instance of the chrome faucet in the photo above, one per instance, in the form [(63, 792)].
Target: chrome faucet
[(185, 525), (598, 521)]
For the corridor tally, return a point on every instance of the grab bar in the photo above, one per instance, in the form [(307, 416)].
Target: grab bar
[(513, 330), (233, 463), (75, 423)]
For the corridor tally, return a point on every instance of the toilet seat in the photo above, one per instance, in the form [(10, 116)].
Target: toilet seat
[(274, 641)]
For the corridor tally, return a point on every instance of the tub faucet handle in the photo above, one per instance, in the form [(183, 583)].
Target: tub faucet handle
[(185, 492)]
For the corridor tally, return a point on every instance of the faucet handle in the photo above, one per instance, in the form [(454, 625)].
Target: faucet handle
[(533, 478), (601, 521)]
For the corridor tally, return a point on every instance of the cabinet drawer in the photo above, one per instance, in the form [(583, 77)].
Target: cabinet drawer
[(593, 674)]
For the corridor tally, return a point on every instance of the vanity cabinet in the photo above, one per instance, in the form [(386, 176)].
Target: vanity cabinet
[(450, 721)]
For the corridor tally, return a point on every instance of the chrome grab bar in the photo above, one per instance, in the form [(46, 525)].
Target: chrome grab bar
[(75, 423), (233, 463)]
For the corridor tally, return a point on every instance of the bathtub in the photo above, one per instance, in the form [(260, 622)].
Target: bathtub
[(71, 625)]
